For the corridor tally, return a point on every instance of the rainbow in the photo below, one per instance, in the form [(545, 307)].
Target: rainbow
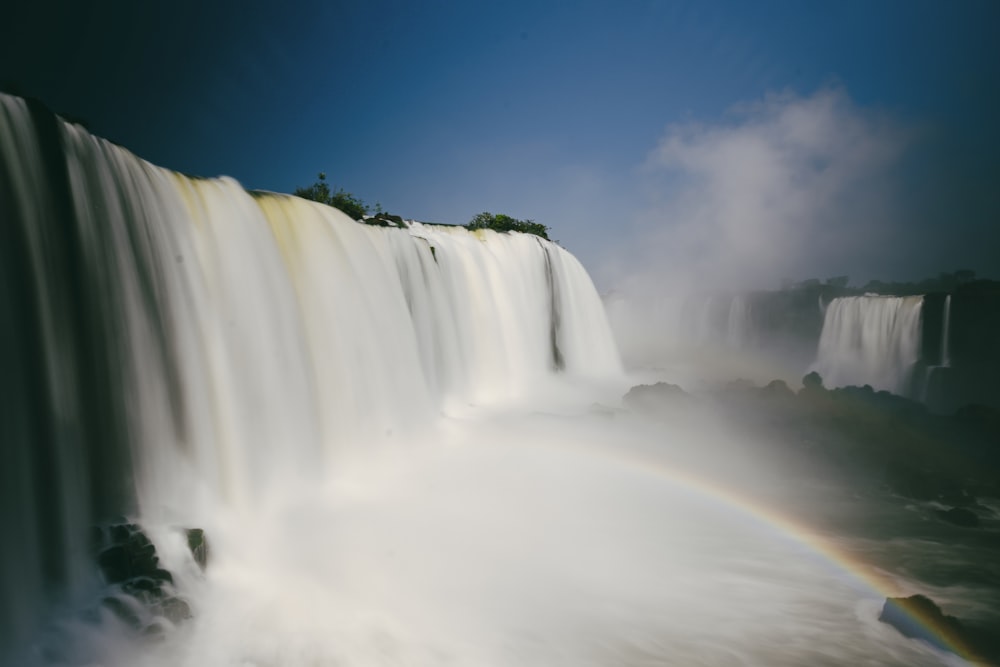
[(861, 573)]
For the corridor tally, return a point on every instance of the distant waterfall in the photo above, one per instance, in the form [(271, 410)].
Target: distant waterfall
[(714, 320), (945, 331), (934, 390), (738, 322), (167, 340), (873, 340)]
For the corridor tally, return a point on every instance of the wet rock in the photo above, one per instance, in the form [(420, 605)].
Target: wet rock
[(125, 553), (956, 495), (140, 586), (812, 382), (198, 545), (114, 564), (910, 481), (155, 631), (128, 561), (923, 480), (959, 516), (777, 389), (653, 397), (385, 220), (162, 576), (919, 617), (174, 609)]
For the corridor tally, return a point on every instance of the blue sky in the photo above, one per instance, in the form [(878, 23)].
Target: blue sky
[(565, 112)]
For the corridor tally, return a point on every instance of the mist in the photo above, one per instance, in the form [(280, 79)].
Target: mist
[(417, 445), (781, 189), (569, 536), (786, 187)]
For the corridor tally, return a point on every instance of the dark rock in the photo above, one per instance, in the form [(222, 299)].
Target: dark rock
[(120, 532), (919, 617), (777, 389), (984, 418), (163, 576), (910, 481), (174, 609), (926, 480), (198, 545), (959, 516), (114, 564), (652, 397), (812, 382), (385, 220), (127, 553), (142, 556), (953, 493), (128, 559), (154, 631), (143, 587)]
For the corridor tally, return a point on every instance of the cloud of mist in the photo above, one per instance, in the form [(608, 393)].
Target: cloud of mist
[(781, 189), (788, 187)]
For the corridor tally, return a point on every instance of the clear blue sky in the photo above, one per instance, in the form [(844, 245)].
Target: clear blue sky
[(564, 111)]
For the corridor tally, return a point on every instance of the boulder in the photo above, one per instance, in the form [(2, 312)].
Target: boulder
[(959, 516), (651, 398), (142, 593), (198, 545), (919, 617), (911, 481), (777, 389)]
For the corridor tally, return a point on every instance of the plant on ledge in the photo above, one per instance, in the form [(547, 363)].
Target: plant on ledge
[(345, 201), (504, 223)]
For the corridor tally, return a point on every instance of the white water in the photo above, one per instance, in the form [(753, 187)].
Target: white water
[(945, 332), (373, 435), (244, 341), (873, 340)]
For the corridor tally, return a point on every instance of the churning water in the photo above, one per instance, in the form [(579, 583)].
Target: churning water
[(405, 445)]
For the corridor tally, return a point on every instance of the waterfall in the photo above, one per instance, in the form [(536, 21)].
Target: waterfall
[(739, 323), (873, 340), (712, 320), (945, 326), (169, 341), (934, 388)]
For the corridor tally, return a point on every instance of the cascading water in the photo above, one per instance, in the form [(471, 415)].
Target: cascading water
[(873, 340), (945, 332), (934, 389), (368, 425), (739, 322), (177, 342)]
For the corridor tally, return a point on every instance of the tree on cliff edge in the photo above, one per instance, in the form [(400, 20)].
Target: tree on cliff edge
[(504, 223), (345, 201)]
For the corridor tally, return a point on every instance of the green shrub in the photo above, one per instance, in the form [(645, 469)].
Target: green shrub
[(504, 223), (345, 201)]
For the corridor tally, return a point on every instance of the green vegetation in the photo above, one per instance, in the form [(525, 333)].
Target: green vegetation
[(504, 223), (944, 282), (345, 201), (383, 219), (356, 208)]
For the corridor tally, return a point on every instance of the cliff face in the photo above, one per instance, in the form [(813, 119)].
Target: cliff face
[(958, 353), (974, 344)]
